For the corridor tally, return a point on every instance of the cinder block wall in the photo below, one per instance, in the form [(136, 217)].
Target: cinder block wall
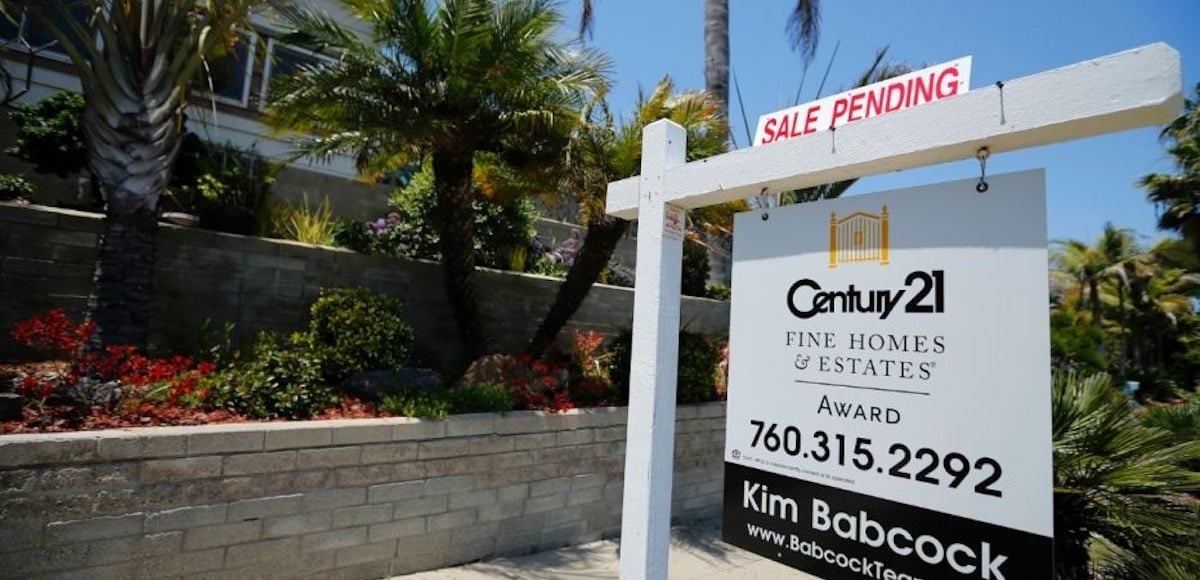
[(47, 259), (329, 499)]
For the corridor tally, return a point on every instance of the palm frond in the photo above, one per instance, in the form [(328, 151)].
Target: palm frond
[(1122, 488), (803, 27), (878, 70)]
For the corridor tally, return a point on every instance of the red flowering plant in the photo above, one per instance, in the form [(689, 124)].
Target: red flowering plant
[(591, 379), (540, 384), (174, 380), (115, 377), (54, 332)]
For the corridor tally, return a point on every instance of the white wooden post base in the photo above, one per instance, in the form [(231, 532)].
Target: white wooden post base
[(650, 440)]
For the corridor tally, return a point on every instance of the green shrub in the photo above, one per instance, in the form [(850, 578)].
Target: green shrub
[(474, 398), (310, 224), (695, 269), (546, 265), (410, 229), (213, 342), (622, 356), (14, 186), (352, 235), (48, 134), (277, 381), (230, 188), (481, 398), (699, 360), (355, 329), (719, 292), (416, 404), (1077, 346)]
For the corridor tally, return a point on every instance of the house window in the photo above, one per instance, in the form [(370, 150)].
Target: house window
[(284, 60), (31, 32), (10, 29), (230, 73)]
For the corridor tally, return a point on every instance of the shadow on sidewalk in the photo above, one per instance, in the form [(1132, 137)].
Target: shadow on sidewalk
[(696, 551)]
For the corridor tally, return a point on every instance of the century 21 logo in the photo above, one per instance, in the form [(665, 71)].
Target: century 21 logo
[(806, 299), (859, 237)]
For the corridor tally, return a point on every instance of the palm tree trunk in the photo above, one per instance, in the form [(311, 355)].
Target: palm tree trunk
[(1094, 289), (120, 300), (603, 234), (130, 156), (1124, 327), (1070, 545), (716, 51), (452, 171)]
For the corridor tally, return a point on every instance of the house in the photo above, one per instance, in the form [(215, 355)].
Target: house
[(227, 111)]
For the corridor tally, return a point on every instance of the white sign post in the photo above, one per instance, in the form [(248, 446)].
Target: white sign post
[(1122, 91), (645, 524), (889, 399)]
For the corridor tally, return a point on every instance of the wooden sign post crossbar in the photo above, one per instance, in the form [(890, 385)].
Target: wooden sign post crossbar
[(1136, 88)]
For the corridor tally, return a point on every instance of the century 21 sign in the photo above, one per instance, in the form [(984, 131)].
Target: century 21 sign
[(889, 407)]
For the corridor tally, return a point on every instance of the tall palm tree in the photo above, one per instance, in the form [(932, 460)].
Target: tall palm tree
[(879, 70), (1091, 265), (1122, 508), (135, 60), (600, 152), (1160, 295), (446, 81), (803, 29), (1178, 195)]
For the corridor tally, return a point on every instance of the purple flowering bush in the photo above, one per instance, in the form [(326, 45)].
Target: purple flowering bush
[(409, 230)]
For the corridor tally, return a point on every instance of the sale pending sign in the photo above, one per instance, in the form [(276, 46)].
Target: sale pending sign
[(889, 398), (910, 90)]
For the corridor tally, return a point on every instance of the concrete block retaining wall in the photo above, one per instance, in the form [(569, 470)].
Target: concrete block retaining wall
[(329, 499), (47, 259)]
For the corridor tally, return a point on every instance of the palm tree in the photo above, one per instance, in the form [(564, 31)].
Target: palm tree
[(1178, 196), (600, 152), (1160, 294), (1090, 265), (1122, 507), (803, 30), (879, 70), (135, 60), (448, 82)]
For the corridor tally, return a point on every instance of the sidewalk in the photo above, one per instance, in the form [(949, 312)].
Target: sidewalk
[(696, 553)]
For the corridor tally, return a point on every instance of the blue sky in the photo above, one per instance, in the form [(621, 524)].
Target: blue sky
[(1089, 181)]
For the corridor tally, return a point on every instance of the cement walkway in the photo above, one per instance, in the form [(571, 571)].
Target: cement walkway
[(696, 553)]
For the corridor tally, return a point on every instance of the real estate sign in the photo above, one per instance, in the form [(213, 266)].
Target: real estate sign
[(889, 400), (905, 91)]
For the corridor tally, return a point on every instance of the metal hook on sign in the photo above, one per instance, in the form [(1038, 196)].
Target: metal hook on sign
[(982, 155), (764, 201)]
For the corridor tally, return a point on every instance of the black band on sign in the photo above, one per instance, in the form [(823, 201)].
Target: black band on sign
[(839, 534)]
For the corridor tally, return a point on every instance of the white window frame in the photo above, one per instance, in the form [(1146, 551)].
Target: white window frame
[(252, 38), (44, 50), (264, 90)]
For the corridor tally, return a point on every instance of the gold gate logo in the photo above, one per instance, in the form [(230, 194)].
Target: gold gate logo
[(858, 237)]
